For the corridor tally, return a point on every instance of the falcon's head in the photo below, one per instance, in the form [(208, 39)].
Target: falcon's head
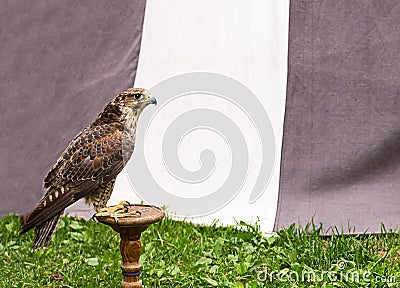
[(133, 99), (130, 102)]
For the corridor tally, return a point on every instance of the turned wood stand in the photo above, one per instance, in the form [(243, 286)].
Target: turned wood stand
[(130, 229)]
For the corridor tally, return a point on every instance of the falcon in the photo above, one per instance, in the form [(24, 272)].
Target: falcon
[(89, 165)]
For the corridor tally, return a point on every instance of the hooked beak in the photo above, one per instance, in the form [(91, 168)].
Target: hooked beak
[(153, 100)]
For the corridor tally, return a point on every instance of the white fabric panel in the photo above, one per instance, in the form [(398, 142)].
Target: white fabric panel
[(243, 40)]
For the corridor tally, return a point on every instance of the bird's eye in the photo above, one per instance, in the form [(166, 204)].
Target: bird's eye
[(137, 96)]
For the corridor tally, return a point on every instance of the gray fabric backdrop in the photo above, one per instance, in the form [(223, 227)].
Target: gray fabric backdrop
[(341, 146), (61, 62)]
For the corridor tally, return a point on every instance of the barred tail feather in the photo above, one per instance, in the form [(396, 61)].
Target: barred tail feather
[(23, 219), (50, 207), (45, 231)]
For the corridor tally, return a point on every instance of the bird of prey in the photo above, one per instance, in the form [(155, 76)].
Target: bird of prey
[(89, 165)]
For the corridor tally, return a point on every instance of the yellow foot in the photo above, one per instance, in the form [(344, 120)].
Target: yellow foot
[(121, 206), (117, 211)]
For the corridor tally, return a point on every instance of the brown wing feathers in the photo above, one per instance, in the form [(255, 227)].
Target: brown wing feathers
[(55, 200), (91, 159)]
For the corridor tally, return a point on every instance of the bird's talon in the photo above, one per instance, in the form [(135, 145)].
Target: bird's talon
[(94, 218), (126, 207), (120, 210), (123, 203)]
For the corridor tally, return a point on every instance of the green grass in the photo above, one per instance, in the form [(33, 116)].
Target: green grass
[(176, 254)]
